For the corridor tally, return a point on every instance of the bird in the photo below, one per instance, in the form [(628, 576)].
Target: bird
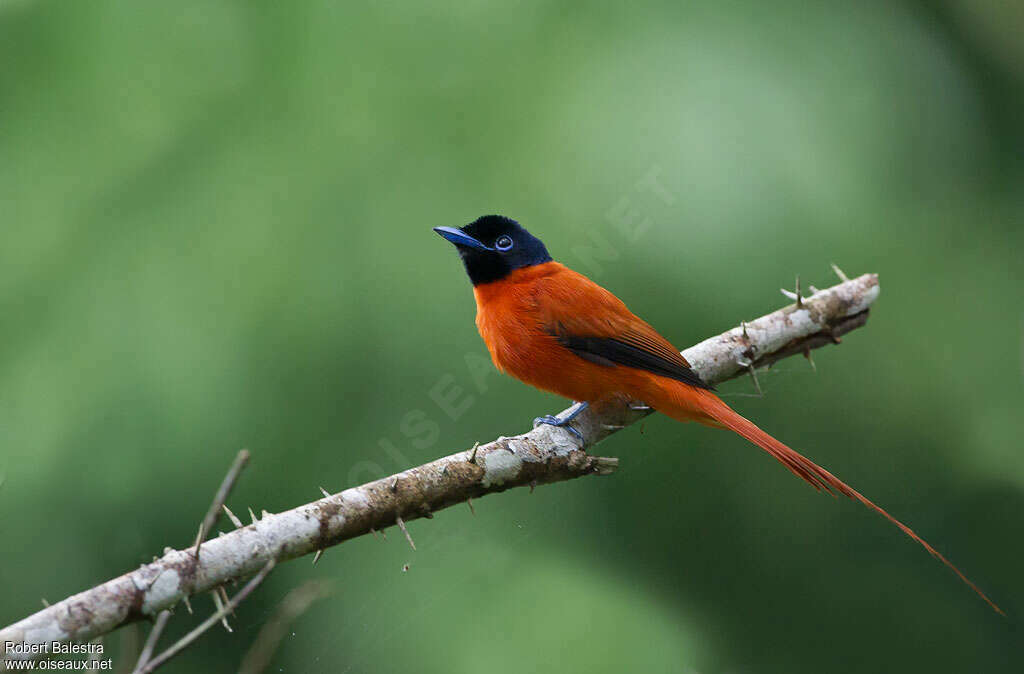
[(559, 331)]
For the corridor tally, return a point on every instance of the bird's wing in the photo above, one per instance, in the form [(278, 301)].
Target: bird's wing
[(595, 325)]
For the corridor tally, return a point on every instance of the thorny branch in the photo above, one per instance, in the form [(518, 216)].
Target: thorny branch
[(209, 521), (187, 640), (544, 455)]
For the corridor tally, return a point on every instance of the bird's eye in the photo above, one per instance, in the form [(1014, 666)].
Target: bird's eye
[(504, 242)]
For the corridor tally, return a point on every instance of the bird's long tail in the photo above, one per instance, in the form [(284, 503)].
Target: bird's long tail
[(819, 478)]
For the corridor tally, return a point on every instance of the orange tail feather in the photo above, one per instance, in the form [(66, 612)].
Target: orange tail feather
[(817, 476)]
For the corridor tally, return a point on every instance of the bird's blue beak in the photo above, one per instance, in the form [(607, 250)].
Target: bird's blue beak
[(460, 238)]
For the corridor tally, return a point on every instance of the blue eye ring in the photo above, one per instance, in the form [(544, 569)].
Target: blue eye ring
[(504, 242)]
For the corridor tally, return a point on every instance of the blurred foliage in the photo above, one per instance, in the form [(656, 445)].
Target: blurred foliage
[(216, 234)]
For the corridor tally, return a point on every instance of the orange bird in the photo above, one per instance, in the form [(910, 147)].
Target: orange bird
[(557, 330)]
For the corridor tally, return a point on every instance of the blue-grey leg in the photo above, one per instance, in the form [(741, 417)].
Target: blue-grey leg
[(563, 422)]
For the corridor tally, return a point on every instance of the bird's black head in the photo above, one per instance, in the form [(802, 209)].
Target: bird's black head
[(494, 246)]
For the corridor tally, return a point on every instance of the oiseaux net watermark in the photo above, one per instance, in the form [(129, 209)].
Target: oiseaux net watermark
[(94, 660)]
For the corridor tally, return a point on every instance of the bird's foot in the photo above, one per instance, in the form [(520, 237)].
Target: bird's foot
[(563, 422), (551, 420)]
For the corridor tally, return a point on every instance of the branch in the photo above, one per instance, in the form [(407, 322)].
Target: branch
[(544, 455), (205, 527), (230, 606)]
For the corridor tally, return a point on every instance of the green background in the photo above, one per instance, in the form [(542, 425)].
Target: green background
[(216, 234)]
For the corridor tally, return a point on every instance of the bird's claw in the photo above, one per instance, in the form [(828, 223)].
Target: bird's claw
[(551, 420)]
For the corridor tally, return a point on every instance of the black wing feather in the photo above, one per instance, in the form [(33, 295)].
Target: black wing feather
[(611, 352)]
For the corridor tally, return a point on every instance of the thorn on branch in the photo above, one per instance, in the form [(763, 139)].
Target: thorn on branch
[(605, 465), (401, 525), (839, 272), (317, 556), (252, 515), (231, 516), (472, 457), (753, 377), (221, 610), (224, 596), (753, 374), (469, 502), (810, 359), (795, 296), (325, 492)]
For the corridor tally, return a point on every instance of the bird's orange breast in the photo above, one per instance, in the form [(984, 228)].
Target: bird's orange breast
[(515, 317), (508, 321)]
